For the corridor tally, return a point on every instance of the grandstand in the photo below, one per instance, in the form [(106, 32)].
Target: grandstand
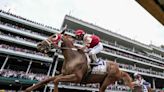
[(21, 65)]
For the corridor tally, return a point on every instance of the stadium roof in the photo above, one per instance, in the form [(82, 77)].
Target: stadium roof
[(155, 8)]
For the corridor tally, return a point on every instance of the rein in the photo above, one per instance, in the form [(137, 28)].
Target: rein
[(66, 48)]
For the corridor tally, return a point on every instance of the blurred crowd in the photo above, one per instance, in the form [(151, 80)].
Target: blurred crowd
[(8, 13), (132, 57), (138, 69), (22, 29), (110, 87), (14, 48), (22, 75), (18, 37)]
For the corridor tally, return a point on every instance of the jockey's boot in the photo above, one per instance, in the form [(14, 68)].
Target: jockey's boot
[(93, 63), (93, 60)]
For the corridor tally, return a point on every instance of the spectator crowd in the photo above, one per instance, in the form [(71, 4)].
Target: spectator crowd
[(14, 48), (18, 37), (8, 13), (110, 87), (22, 75), (22, 29), (138, 69), (133, 57)]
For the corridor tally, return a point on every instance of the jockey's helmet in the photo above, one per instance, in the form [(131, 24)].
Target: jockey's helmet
[(136, 74), (79, 34)]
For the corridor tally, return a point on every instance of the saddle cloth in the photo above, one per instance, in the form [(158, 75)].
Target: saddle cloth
[(101, 68)]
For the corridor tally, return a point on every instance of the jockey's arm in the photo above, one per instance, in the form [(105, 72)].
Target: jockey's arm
[(84, 49)]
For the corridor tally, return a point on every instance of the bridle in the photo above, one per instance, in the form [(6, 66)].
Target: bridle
[(49, 42), (67, 48)]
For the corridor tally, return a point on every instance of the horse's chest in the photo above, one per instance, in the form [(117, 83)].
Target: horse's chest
[(68, 69)]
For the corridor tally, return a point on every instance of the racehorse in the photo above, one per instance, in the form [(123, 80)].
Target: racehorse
[(75, 68)]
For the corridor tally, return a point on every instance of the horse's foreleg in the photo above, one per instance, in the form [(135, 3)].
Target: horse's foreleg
[(56, 87), (65, 78), (40, 84), (107, 81), (127, 79)]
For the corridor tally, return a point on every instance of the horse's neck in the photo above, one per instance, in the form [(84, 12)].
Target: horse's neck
[(69, 54), (73, 60)]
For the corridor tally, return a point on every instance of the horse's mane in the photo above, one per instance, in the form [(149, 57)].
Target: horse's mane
[(67, 38)]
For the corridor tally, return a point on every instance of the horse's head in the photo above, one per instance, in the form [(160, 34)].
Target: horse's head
[(52, 42)]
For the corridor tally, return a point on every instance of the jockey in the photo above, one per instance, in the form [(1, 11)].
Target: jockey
[(92, 44), (141, 82)]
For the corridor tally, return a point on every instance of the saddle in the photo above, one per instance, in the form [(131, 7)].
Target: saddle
[(98, 67)]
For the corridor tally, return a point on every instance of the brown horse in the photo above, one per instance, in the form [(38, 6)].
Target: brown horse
[(75, 67)]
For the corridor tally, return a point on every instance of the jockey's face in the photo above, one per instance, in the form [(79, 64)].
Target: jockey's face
[(137, 76), (79, 37)]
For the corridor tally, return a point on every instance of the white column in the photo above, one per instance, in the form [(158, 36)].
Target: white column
[(134, 65), (115, 60), (133, 49), (50, 89), (45, 88), (48, 73), (154, 83), (3, 66), (150, 70), (29, 66), (115, 43), (55, 67)]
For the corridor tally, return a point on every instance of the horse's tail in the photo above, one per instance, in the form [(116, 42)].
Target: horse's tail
[(127, 79)]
